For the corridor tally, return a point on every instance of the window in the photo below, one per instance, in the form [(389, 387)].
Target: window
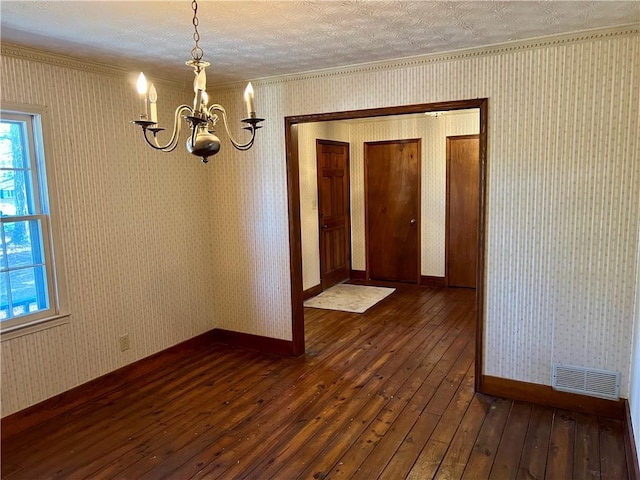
[(27, 280)]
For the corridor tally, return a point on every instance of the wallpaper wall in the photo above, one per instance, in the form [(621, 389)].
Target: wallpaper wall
[(433, 132), (634, 383), (162, 248), (562, 200), (134, 230), (307, 135)]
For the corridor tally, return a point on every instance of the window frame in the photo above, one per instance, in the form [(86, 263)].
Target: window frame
[(45, 211)]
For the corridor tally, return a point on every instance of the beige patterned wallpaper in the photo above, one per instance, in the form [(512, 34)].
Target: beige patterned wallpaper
[(307, 135), (563, 213), (210, 244), (634, 382), (135, 231)]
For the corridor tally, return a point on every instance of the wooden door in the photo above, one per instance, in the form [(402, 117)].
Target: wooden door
[(333, 212), (392, 210), (463, 164)]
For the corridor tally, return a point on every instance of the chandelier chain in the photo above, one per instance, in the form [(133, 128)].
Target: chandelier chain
[(196, 52)]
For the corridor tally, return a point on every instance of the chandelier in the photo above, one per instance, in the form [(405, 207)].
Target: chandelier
[(201, 117)]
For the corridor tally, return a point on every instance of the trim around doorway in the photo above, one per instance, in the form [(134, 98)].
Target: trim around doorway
[(293, 190)]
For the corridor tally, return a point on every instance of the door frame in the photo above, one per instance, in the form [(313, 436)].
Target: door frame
[(293, 201), (347, 200), (366, 204), (447, 221)]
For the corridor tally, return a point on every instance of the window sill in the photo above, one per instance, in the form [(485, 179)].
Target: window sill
[(34, 326)]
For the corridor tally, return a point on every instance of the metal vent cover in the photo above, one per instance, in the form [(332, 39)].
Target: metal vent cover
[(586, 381)]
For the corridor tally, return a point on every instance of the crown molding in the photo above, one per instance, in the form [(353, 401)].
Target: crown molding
[(65, 61), (498, 49), (42, 56), (464, 54)]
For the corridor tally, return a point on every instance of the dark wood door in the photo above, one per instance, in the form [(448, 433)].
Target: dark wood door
[(462, 210), (333, 212), (392, 196)]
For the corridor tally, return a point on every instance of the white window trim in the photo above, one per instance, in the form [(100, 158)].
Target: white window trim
[(34, 326), (47, 189)]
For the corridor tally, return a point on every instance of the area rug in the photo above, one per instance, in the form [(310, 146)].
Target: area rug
[(349, 298)]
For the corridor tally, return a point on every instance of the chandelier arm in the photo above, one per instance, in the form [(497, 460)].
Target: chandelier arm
[(173, 142), (177, 126), (167, 148), (153, 144), (237, 145)]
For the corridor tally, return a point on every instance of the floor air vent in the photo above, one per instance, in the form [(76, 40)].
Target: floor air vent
[(587, 381)]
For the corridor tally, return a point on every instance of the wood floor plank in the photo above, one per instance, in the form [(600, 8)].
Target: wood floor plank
[(536, 445), (386, 394), (409, 451), (484, 451), (461, 445), (613, 464), (440, 401), (561, 445), (586, 453), (429, 461), (507, 460), (456, 409)]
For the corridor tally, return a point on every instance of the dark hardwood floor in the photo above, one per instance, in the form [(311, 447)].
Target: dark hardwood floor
[(387, 394)]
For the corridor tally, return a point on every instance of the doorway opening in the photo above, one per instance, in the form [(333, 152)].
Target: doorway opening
[(293, 187)]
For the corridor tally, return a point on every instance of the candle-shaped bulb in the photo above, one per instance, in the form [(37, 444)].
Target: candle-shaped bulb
[(248, 100), (200, 82), (153, 94), (205, 99), (141, 85), (199, 86), (153, 98)]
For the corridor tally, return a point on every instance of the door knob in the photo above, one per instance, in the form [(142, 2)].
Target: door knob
[(325, 226), (413, 221)]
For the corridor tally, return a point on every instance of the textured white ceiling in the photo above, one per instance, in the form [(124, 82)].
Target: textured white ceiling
[(254, 39)]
